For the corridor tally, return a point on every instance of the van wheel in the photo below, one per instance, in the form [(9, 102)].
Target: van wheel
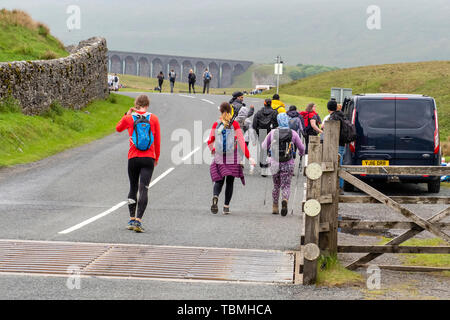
[(348, 187), (434, 186)]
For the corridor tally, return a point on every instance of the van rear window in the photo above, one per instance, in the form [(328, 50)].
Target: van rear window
[(414, 114), (376, 113)]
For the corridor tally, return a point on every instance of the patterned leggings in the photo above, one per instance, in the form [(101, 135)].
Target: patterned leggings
[(282, 180)]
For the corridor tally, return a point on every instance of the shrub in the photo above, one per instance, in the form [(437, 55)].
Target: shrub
[(48, 55), (43, 30), (112, 99), (53, 111), (10, 105)]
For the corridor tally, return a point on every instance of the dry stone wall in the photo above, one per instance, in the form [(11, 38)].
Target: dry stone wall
[(74, 81)]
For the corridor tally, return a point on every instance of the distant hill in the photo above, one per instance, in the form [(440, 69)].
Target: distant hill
[(429, 78), (22, 38), (263, 74)]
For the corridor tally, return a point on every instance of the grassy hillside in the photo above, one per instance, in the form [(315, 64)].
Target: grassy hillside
[(263, 74), (21, 38), (429, 78)]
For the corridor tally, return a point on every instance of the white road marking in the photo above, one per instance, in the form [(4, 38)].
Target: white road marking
[(115, 208), (160, 178), (182, 95), (101, 215), (190, 154), (208, 101)]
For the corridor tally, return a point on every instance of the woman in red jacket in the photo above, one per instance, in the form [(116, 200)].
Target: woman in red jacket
[(140, 163), (226, 165)]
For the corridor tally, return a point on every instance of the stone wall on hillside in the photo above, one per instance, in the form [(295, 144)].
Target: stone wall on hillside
[(74, 81)]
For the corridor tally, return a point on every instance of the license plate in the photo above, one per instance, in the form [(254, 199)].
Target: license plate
[(375, 162)]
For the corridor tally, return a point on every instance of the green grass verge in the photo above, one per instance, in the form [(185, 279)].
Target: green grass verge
[(144, 84), (426, 260), (331, 273), (27, 139)]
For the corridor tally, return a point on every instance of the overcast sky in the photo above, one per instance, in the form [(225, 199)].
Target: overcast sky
[(327, 32)]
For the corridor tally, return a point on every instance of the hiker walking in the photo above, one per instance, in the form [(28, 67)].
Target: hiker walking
[(312, 123), (264, 121), (160, 80), (116, 82), (207, 77), (172, 78), (241, 110), (296, 124), (143, 156), (225, 137), (281, 142), (347, 132), (191, 79), (277, 104)]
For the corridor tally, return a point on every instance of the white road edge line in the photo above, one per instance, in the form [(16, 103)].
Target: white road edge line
[(190, 154), (182, 95), (115, 208), (101, 215), (208, 101)]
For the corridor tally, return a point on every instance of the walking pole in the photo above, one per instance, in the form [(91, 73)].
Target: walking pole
[(296, 184)]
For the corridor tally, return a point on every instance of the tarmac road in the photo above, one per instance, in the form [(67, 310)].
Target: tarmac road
[(40, 200)]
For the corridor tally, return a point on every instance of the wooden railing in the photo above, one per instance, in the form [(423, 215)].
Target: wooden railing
[(320, 208)]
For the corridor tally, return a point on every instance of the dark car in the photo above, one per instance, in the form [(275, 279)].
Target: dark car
[(394, 129)]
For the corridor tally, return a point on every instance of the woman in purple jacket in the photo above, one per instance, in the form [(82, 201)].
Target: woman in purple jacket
[(281, 141)]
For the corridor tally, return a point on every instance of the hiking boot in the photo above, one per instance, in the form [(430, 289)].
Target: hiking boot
[(138, 227), (341, 192), (130, 225), (226, 210), (284, 207), (275, 209), (214, 207)]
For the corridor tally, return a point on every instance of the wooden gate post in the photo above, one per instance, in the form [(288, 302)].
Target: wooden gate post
[(328, 240), (311, 219)]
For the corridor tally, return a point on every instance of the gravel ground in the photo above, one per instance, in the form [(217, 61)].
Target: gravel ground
[(394, 284)]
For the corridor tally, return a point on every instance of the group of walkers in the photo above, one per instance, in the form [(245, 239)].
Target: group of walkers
[(192, 79), (280, 135)]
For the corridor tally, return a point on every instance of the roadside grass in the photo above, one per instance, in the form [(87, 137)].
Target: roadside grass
[(429, 78), (144, 84), (331, 273), (22, 38), (27, 139), (426, 260)]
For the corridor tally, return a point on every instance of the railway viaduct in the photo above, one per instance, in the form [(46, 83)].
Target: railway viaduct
[(149, 65)]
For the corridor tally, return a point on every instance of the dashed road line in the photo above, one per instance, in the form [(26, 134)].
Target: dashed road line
[(208, 101)]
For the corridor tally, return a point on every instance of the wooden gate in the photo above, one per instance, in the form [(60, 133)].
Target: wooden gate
[(319, 235)]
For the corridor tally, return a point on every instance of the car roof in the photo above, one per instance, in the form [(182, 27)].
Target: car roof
[(392, 95)]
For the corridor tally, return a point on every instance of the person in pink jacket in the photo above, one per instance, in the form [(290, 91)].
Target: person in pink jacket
[(281, 143)]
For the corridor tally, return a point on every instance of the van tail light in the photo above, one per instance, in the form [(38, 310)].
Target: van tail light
[(436, 133), (353, 144)]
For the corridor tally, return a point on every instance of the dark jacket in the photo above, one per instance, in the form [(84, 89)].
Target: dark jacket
[(192, 77), (338, 116), (295, 115), (265, 115)]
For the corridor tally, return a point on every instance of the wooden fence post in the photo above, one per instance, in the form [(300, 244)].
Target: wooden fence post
[(330, 187), (312, 221)]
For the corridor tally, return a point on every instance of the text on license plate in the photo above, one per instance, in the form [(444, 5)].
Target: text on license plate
[(375, 162)]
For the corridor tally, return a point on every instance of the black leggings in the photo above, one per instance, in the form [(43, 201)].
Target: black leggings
[(228, 189), (140, 171)]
